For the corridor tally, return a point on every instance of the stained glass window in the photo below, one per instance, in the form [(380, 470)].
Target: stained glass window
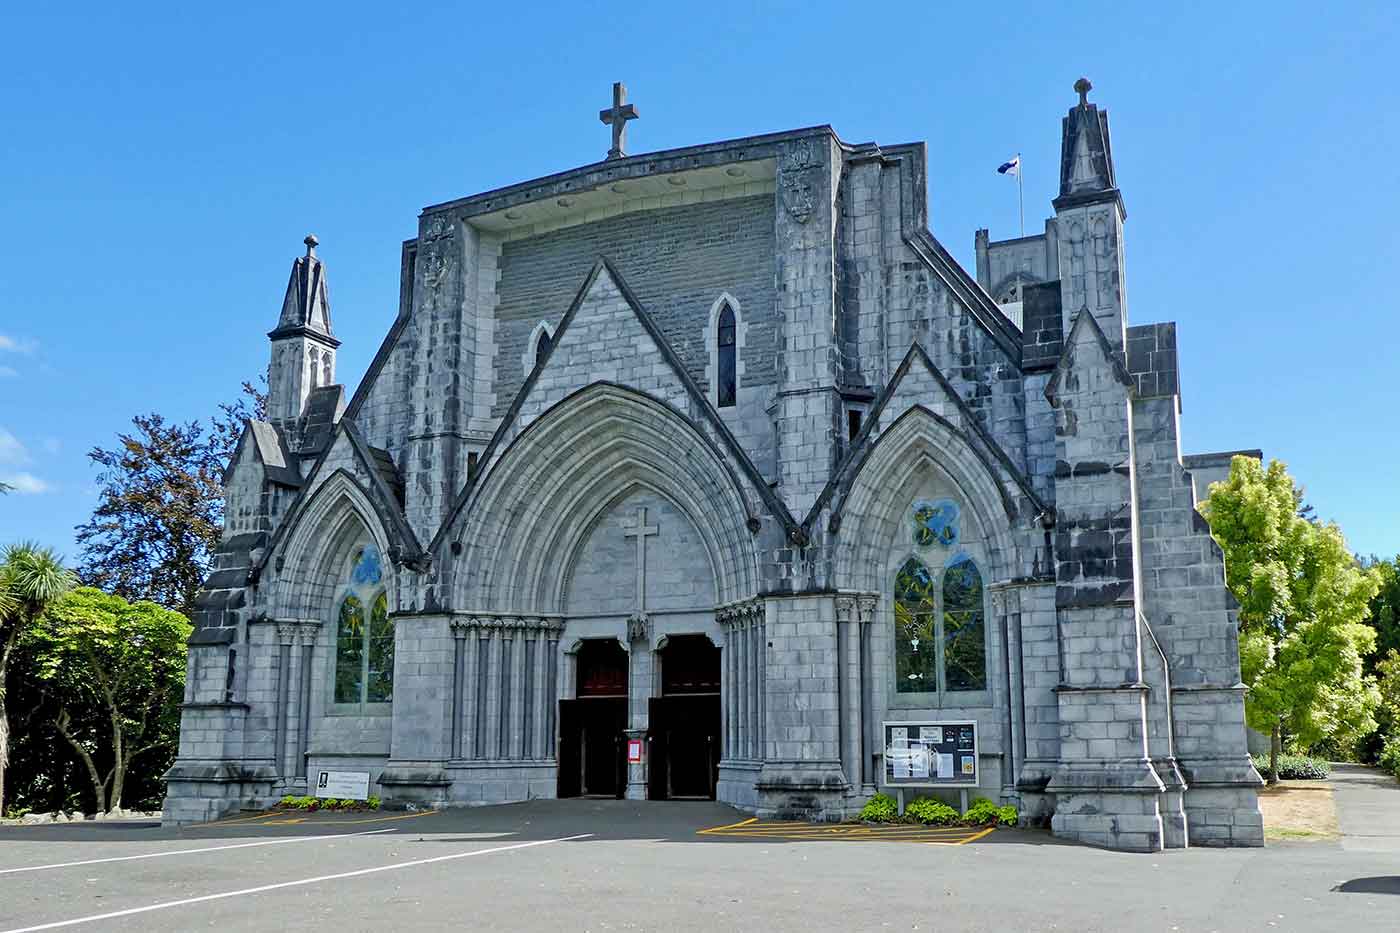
[(916, 648), (939, 619), (727, 383), (964, 629), (936, 523), (541, 347), (364, 647)]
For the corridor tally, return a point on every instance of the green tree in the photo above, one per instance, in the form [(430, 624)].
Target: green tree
[(160, 506), (121, 661), (32, 579), (1303, 601), (1384, 614)]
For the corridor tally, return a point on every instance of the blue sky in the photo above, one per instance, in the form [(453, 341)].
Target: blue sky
[(160, 167)]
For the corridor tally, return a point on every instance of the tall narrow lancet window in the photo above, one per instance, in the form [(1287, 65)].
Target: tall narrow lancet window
[(364, 634), (542, 347), (315, 368), (326, 368), (726, 378), (964, 628), (915, 618), (939, 616)]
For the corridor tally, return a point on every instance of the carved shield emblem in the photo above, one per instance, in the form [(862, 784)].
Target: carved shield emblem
[(799, 196)]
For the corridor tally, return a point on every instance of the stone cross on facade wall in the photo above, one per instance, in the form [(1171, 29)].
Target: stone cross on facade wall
[(641, 531), (617, 115)]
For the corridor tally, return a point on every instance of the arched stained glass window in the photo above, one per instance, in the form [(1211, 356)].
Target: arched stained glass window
[(915, 615), (939, 616), (542, 347), (726, 378), (364, 635), (964, 628)]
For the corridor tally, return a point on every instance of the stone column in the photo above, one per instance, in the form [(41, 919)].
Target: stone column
[(459, 688), (639, 685)]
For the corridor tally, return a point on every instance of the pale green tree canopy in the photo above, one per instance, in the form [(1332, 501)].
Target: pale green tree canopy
[(1303, 601)]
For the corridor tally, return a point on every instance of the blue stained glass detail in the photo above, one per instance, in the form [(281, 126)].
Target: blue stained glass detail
[(367, 566), (936, 522)]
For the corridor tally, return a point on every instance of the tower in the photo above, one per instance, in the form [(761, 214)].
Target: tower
[(303, 348), (1089, 219)]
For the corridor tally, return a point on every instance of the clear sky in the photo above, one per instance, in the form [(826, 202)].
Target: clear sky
[(160, 166)]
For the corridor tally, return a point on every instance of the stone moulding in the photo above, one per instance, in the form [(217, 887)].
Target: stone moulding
[(463, 623), (740, 614)]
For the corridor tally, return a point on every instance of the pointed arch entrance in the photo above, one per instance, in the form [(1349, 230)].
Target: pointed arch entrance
[(684, 722)]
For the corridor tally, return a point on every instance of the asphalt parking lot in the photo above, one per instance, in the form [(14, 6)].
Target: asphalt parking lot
[(622, 865)]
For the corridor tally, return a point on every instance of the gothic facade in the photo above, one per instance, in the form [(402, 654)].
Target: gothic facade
[(680, 474)]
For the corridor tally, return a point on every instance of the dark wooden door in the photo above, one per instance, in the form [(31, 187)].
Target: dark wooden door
[(592, 747), (684, 752)]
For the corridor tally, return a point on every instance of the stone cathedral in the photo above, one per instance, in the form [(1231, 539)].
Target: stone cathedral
[(680, 475)]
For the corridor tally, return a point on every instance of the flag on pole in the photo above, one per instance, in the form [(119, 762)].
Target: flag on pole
[(1010, 168)]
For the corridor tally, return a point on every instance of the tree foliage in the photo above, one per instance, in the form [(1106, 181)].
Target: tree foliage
[(32, 579), (1384, 614), (1303, 603), (114, 672), (160, 505)]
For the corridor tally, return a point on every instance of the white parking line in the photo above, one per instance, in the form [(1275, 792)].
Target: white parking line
[(288, 884), (239, 845)]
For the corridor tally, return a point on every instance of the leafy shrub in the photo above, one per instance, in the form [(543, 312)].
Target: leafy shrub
[(880, 809), (931, 811), (984, 812), (1390, 755), (372, 803), (1295, 767)]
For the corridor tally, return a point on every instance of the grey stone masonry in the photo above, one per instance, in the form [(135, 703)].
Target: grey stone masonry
[(930, 496)]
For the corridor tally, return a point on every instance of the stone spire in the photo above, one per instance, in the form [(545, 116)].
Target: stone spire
[(307, 305), (303, 347), (1086, 154)]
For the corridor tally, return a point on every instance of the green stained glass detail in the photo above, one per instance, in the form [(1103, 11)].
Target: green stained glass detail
[(916, 661), (964, 628), (380, 679), (349, 651)]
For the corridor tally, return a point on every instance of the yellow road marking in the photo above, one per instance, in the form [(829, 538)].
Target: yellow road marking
[(754, 828)]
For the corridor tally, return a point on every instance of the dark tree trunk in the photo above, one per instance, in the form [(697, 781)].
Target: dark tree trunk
[(1275, 749)]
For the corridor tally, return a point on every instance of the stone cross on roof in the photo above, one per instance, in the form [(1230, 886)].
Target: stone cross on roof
[(618, 115)]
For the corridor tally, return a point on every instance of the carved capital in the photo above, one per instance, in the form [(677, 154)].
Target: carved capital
[(638, 627), (740, 615)]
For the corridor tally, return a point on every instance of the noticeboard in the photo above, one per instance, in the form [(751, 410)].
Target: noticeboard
[(930, 754), (343, 785)]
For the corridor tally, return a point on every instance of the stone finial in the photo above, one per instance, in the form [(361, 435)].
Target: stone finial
[(311, 244), (1082, 87)]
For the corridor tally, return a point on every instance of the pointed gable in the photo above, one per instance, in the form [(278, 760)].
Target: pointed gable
[(606, 336), (1086, 363), (919, 384)]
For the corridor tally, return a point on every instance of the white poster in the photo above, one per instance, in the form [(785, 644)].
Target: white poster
[(918, 761), (945, 766), (932, 735)]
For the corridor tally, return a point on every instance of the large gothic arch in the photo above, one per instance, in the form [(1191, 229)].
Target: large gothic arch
[(887, 480), (526, 518), (311, 560)]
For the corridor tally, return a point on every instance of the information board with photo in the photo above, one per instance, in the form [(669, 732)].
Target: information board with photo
[(931, 754)]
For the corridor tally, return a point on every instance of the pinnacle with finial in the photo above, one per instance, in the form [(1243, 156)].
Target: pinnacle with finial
[(1082, 87), (311, 244)]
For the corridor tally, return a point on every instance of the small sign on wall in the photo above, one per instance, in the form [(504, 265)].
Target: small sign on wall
[(343, 785), (930, 754), (634, 751)]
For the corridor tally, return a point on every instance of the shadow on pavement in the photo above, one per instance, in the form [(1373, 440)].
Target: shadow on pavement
[(669, 821), (1380, 884)]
